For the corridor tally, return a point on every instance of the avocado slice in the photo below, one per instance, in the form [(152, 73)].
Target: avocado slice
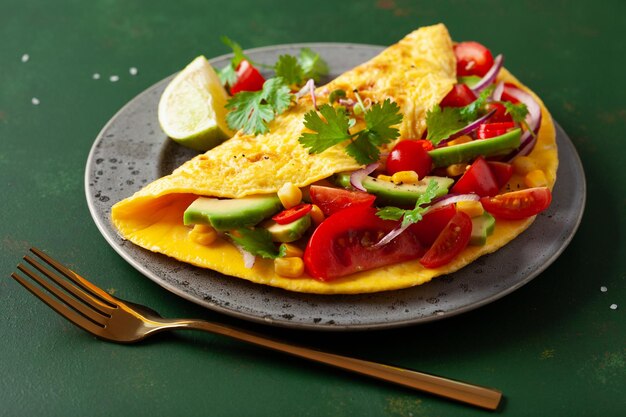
[(231, 214), (469, 80), (387, 192), (288, 232), (465, 152), (482, 226)]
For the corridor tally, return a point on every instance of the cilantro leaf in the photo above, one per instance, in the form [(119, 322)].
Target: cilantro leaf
[(470, 112), (256, 241), (442, 123), (253, 110), (411, 216), (363, 149), (228, 74), (329, 133), (517, 111), (290, 69), (313, 66), (379, 120), (390, 213)]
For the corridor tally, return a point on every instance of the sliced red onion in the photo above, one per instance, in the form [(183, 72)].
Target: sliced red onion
[(533, 120), (467, 129), (490, 76), (248, 258), (497, 92), (391, 236), (356, 178), (303, 90), (347, 102), (311, 84), (451, 199)]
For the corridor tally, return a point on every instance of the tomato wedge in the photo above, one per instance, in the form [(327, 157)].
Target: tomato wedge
[(500, 115), (501, 171), (343, 244), (450, 242), (460, 95), (472, 58), (433, 222), (409, 155), (292, 214), (518, 205), (491, 130), (331, 200), (248, 78), (478, 179)]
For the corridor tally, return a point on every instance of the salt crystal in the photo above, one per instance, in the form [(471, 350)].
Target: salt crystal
[(25, 58), (133, 71), (114, 78), (603, 288), (95, 76), (613, 306), (35, 101)]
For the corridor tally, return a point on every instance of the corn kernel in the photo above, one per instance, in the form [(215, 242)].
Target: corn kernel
[(523, 165), (289, 195), (536, 178), (203, 234), (384, 177), (292, 250), (405, 177), (291, 267), (460, 140), (317, 215), (455, 170), (471, 208)]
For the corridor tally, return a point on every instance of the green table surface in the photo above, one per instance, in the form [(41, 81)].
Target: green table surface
[(554, 347)]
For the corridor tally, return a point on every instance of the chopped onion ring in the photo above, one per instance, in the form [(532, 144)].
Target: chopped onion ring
[(311, 84), (391, 236), (356, 178), (490, 76), (497, 92), (467, 129), (533, 120)]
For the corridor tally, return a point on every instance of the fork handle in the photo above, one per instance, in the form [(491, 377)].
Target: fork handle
[(487, 398)]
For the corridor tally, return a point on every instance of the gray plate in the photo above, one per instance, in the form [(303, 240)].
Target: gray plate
[(131, 151)]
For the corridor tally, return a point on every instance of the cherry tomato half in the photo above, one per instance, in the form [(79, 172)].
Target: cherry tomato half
[(500, 115), (491, 130), (433, 222), (460, 95), (292, 214), (501, 171), (478, 179), (248, 78), (518, 205), (343, 244), (409, 155), (472, 58), (450, 242), (331, 200)]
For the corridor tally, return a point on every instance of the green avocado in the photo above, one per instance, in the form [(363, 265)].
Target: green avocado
[(231, 214), (469, 80), (288, 232), (465, 152), (482, 226), (388, 193)]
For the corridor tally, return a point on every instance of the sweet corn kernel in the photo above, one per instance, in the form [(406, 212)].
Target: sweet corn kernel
[(292, 250), (460, 140), (471, 208), (522, 165), (203, 234), (455, 170), (536, 178), (289, 195), (405, 177), (384, 177), (317, 215), (291, 267)]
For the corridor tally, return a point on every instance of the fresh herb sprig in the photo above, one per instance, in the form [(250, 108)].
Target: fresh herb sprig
[(297, 70), (518, 113), (257, 241), (414, 215), (334, 128)]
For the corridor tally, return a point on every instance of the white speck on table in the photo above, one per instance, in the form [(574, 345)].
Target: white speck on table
[(603, 288), (95, 76), (133, 71), (25, 58), (114, 78), (35, 101), (613, 307)]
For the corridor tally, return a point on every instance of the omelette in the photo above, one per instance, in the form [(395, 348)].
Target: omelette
[(416, 73)]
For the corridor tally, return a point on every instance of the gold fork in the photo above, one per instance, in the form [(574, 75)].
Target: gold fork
[(109, 318)]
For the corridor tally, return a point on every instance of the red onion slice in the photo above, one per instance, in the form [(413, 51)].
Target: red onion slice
[(311, 84), (490, 76), (533, 120), (356, 178), (391, 236), (467, 129), (497, 92)]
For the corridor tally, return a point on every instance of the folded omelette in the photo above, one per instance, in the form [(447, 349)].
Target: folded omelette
[(416, 73)]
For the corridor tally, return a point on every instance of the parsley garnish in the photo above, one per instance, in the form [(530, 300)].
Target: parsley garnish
[(257, 241), (363, 146), (296, 70), (253, 110), (414, 215), (288, 67)]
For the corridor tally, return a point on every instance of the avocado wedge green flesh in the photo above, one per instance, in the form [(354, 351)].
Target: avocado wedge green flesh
[(229, 214), (465, 152), (288, 232), (482, 226)]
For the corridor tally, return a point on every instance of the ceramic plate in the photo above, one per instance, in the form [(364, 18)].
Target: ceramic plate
[(131, 151)]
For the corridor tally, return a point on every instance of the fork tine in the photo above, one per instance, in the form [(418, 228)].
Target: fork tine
[(60, 308), (99, 294)]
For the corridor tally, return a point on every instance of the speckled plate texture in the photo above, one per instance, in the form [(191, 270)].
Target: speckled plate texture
[(131, 151)]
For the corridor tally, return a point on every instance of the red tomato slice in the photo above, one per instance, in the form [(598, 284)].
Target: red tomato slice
[(292, 214), (409, 155), (478, 179), (518, 205), (331, 200), (450, 242), (460, 95), (428, 229), (343, 244), (248, 78), (500, 115), (501, 171), (491, 130), (472, 58)]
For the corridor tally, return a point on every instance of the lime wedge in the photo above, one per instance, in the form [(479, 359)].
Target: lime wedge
[(191, 109)]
